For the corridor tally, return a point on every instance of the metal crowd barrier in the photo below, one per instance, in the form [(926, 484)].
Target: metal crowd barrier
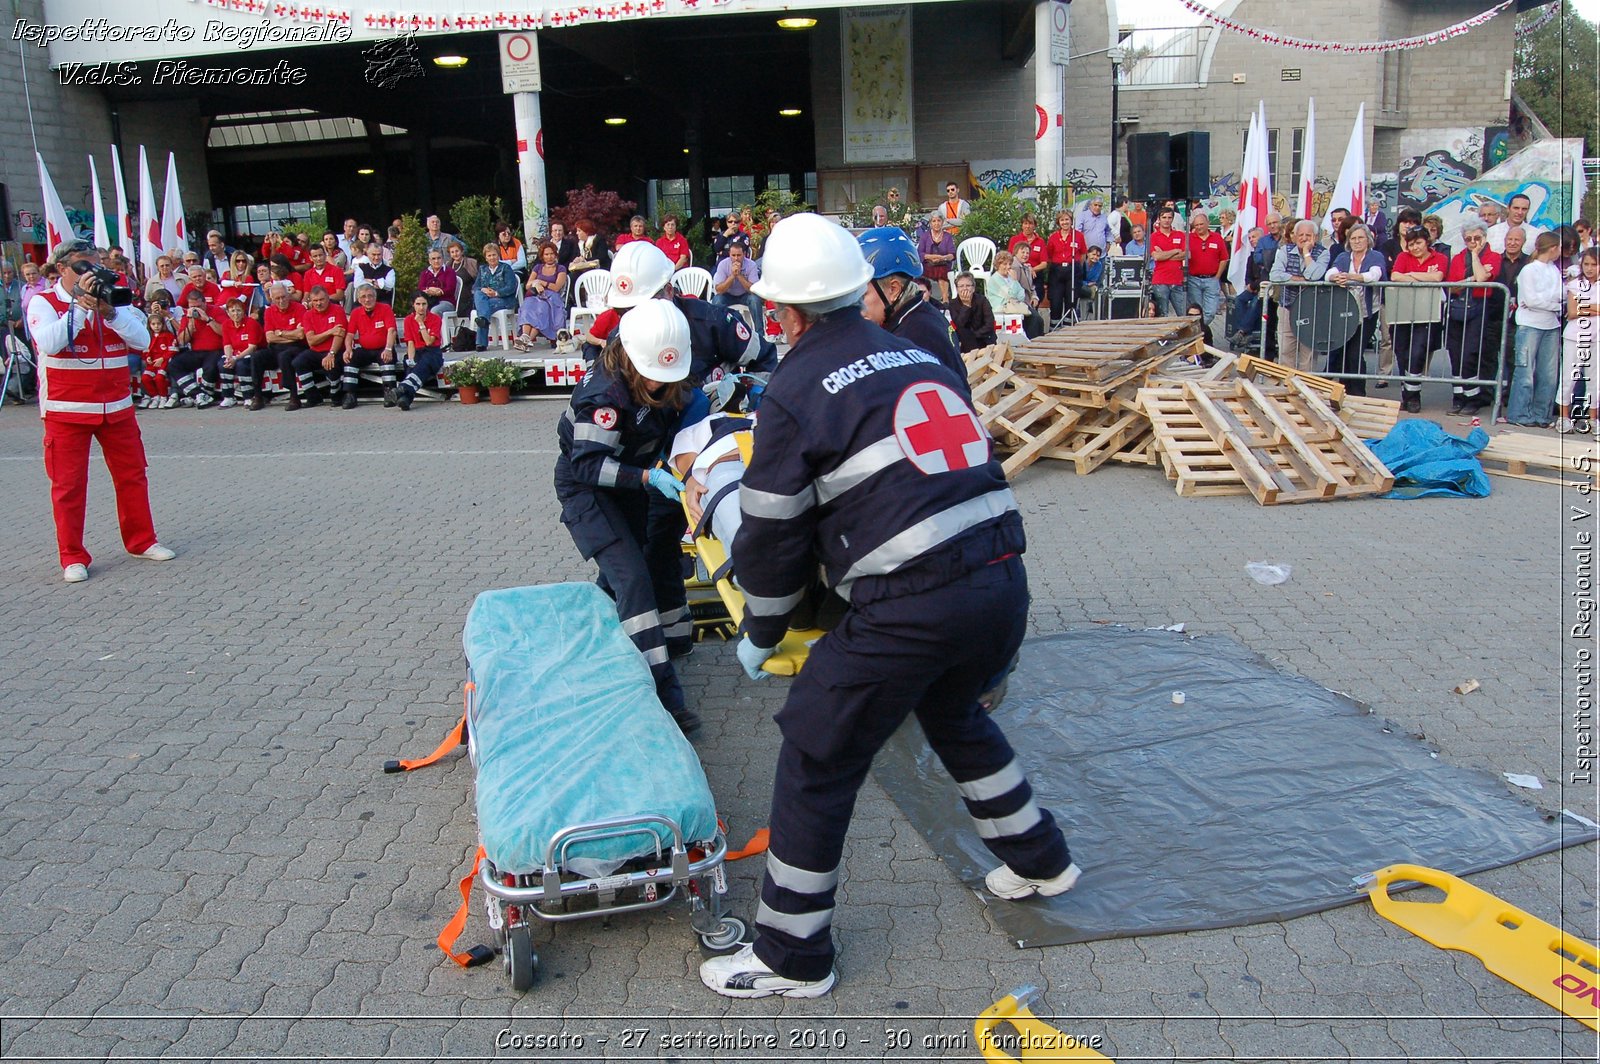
[(1415, 320)]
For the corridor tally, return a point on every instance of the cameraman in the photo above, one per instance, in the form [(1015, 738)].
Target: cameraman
[(84, 394)]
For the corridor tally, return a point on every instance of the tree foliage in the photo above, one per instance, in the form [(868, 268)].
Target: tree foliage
[(410, 257), (604, 207), (474, 217), (996, 215), (1557, 73)]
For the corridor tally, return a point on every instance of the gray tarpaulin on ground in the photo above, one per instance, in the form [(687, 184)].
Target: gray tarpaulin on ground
[(1258, 799)]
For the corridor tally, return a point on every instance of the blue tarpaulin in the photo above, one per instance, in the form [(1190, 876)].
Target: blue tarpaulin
[(1426, 460)]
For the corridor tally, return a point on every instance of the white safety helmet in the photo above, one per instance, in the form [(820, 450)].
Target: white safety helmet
[(655, 335), (809, 261), (638, 271)]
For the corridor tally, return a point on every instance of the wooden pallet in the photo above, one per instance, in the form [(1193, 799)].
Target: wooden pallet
[(1281, 445), (1371, 419), (1254, 368), (1142, 453), (1098, 437), (1023, 420), (1544, 459)]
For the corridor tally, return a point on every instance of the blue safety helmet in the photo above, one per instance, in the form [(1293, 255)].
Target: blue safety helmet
[(889, 251)]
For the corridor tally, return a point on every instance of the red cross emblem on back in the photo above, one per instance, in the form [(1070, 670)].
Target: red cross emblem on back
[(937, 430)]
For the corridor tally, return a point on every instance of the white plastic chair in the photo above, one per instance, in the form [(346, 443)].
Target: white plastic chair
[(693, 281), (976, 255), (502, 327), (590, 299)]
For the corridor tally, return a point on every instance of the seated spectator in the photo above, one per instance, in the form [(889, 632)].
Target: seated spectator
[(347, 240), (466, 269), (511, 249), (1089, 281), (370, 340), (300, 254), (274, 244), (373, 271), (593, 251), (389, 243), (165, 280), (1136, 247), (1007, 294), (637, 230), (201, 281), (424, 338), (243, 340), (438, 239), (324, 273), (566, 246), (1035, 258), (326, 326), (938, 251), (1415, 341), (730, 234), (281, 273), (336, 255), (154, 383), (439, 283), (544, 302), (195, 371), (1358, 266), (672, 243), (259, 300), (285, 336), (971, 315), (731, 283), (493, 290), (240, 280)]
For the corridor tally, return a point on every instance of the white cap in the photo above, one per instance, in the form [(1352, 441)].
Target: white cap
[(639, 270), (810, 260), (655, 335)]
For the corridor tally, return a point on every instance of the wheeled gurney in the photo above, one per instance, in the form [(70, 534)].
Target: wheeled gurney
[(590, 801)]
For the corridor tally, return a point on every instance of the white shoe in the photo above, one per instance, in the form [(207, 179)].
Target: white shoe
[(76, 573), (205, 400), (226, 402), (158, 553), (146, 403), (743, 975), (169, 402), (1004, 883), (1563, 425)]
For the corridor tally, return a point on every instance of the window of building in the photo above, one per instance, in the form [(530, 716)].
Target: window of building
[(1390, 98), (731, 192), (258, 219), (247, 129), (1159, 57), (1297, 158), (672, 197), (1272, 158)]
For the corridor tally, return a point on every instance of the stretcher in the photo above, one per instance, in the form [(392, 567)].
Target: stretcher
[(1029, 1037), (1553, 966), (590, 801), (716, 571)]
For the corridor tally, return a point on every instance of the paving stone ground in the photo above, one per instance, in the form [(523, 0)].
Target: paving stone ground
[(200, 859)]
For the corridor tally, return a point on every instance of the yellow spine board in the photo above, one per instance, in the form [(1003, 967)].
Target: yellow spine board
[(1029, 1035), (1558, 969)]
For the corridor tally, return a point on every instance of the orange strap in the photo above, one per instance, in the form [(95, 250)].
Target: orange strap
[(456, 737), (757, 844), (458, 923)]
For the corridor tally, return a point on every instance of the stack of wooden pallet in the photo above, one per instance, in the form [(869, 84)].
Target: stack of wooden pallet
[(1140, 392), (1546, 459)]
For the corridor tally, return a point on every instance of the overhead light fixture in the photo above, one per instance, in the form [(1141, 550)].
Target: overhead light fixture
[(366, 171), (616, 121), (790, 112), (450, 62), (796, 23), (686, 151)]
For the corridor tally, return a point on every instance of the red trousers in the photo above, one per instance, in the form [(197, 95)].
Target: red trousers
[(66, 462)]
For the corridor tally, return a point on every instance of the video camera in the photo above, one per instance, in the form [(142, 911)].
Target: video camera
[(103, 284)]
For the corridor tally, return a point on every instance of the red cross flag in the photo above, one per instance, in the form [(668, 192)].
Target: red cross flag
[(937, 430), (57, 230)]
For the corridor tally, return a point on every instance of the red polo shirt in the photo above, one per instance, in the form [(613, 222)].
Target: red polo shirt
[(1170, 271), (284, 320), (329, 277), (414, 334), (320, 322), (604, 322), (371, 327), (1034, 244), (1461, 270), (674, 248), (1065, 247), (240, 337), (1206, 256), (1405, 262)]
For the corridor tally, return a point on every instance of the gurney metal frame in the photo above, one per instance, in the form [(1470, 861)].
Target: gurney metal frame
[(548, 892)]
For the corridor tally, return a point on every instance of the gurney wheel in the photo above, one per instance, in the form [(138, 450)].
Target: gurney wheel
[(522, 963), (729, 933)]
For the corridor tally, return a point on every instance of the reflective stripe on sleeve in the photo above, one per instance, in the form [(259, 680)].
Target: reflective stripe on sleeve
[(595, 434), (757, 503), (927, 534), (772, 607), (610, 473)]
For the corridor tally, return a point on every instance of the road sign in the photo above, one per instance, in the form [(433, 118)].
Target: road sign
[(1060, 33), (519, 63)]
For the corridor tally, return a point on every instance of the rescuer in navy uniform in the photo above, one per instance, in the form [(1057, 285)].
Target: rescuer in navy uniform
[(623, 414), (894, 300), (718, 337), (869, 460)]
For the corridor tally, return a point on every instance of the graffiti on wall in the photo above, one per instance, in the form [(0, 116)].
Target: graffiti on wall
[(1541, 171), (1437, 162), (999, 175)]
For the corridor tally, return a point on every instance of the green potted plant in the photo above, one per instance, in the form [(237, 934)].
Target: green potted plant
[(464, 376), (499, 376)]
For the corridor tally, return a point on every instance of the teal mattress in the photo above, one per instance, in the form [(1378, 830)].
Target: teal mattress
[(566, 730)]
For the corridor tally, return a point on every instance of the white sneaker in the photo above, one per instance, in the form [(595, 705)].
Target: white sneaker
[(1004, 883), (169, 402), (1563, 425), (743, 975), (158, 553), (76, 573), (226, 402), (146, 403), (205, 399)]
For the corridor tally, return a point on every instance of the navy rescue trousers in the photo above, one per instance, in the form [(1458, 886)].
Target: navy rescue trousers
[(929, 654), (611, 529)]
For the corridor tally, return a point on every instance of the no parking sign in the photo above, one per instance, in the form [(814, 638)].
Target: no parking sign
[(519, 63)]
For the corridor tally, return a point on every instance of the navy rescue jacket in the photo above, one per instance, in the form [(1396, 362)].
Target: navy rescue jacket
[(606, 440), (718, 336), (925, 326), (868, 459)]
